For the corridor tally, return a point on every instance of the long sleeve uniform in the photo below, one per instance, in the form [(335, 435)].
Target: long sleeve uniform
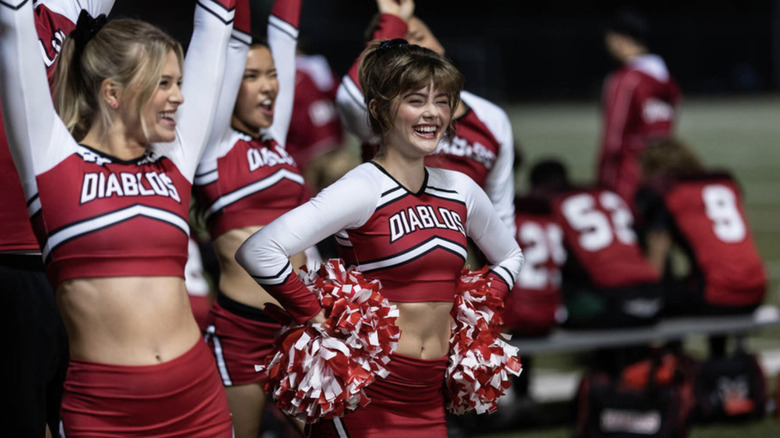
[(414, 243), (243, 181), (95, 215), (483, 147), (54, 19)]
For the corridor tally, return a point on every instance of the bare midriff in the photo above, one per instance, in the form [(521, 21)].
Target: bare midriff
[(234, 281), (127, 320), (425, 329)]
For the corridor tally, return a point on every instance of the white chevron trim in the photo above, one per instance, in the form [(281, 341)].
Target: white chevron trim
[(414, 253), (224, 201), (113, 218)]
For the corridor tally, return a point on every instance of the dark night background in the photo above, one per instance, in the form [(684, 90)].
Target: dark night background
[(515, 50)]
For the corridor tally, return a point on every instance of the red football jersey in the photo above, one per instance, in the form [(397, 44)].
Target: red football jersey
[(710, 216), (598, 232), (17, 233), (639, 104), (532, 304)]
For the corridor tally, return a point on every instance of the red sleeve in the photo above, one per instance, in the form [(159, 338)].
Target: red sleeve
[(288, 11), (498, 286), (243, 19), (295, 298), (616, 101), (52, 28), (389, 27)]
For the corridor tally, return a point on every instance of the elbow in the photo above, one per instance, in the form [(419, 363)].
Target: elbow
[(243, 255), (248, 254)]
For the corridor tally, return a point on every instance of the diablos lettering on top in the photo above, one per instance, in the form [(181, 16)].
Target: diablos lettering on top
[(259, 157), (421, 217), (99, 185)]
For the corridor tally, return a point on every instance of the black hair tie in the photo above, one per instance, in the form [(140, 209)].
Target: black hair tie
[(86, 28), (388, 45)]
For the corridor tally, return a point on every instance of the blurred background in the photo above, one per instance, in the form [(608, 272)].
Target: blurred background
[(517, 50), (544, 63)]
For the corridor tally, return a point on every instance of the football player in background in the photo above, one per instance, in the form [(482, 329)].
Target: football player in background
[(639, 102)]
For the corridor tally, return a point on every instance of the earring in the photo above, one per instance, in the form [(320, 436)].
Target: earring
[(114, 105)]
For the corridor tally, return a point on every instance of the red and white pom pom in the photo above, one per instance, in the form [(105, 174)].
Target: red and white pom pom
[(321, 371), (480, 358)]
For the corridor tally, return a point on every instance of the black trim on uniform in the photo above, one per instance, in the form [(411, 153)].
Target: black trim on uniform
[(243, 310), (15, 8), (416, 194), (259, 278)]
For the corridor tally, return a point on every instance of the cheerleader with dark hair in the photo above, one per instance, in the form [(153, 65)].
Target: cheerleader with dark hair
[(245, 180), (401, 223)]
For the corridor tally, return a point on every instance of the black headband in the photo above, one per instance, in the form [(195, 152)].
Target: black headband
[(86, 28), (388, 45)]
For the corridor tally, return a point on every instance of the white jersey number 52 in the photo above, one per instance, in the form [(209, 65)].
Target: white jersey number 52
[(599, 227)]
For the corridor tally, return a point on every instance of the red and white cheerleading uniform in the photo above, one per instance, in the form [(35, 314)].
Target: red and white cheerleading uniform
[(483, 146), (531, 306), (53, 21), (97, 216), (316, 127), (604, 259), (36, 342), (639, 104), (708, 219), (414, 243), (243, 181)]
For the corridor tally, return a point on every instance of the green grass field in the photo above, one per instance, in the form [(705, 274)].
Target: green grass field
[(740, 134)]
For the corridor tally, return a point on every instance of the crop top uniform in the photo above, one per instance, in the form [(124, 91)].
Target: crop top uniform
[(93, 214), (242, 181), (483, 145), (414, 243)]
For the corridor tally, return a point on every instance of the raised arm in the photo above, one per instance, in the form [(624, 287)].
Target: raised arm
[(283, 39), (235, 60), (392, 23), (204, 69), (36, 136), (54, 19), (500, 182)]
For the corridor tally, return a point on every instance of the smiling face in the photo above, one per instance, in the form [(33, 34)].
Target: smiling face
[(254, 108), (421, 119), (159, 113)]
